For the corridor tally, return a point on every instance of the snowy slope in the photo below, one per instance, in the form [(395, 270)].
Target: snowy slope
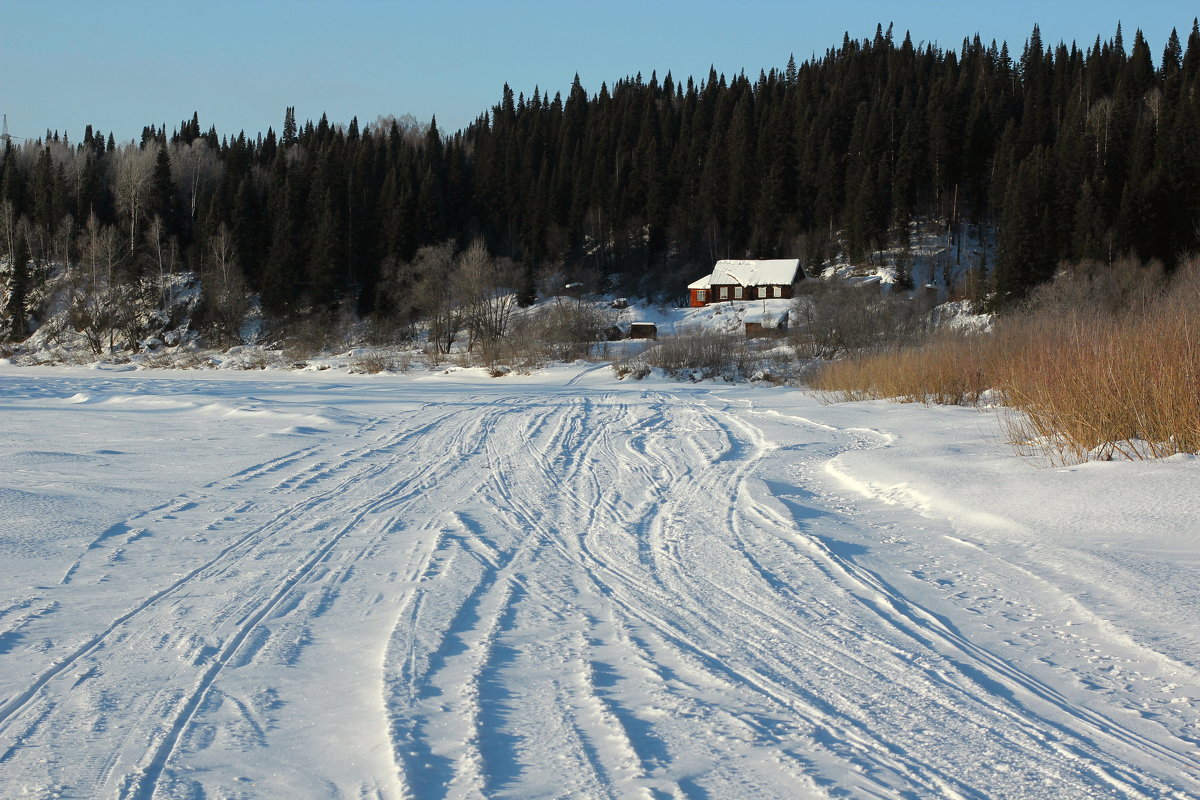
[(326, 586)]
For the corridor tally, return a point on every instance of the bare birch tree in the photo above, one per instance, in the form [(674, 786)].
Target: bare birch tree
[(96, 303), (8, 228), (195, 170), (435, 292), (163, 253), (224, 287), (485, 287), (64, 241), (16, 286), (134, 169)]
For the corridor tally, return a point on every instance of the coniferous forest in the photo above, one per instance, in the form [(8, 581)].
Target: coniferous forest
[(1066, 152)]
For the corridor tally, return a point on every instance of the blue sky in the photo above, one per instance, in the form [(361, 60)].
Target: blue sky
[(122, 65)]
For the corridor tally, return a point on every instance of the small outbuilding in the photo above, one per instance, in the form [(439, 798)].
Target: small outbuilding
[(643, 330), (746, 280), (766, 325)]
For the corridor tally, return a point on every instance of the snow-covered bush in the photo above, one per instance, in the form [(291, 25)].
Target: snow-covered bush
[(371, 361), (702, 355)]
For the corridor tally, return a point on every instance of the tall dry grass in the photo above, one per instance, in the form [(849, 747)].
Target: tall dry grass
[(1092, 386), (1093, 372), (950, 368)]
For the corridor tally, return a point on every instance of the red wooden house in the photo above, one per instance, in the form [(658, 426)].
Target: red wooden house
[(746, 280)]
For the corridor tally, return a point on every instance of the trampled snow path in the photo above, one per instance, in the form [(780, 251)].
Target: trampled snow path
[(557, 588)]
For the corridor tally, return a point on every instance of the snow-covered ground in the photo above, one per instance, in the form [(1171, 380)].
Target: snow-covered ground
[(315, 585)]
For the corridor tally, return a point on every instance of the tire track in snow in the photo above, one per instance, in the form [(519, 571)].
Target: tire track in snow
[(834, 718), (516, 539), (231, 551), (977, 667), (1003, 712), (761, 669), (184, 502), (426, 473), (606, 577), (585, 457), (255, 540), (152, 771), (979, 673), (749, 645), (566, 439), (457, 668), (602, 575), (703, 661)]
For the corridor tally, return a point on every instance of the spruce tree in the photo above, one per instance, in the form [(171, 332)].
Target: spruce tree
[(162, 201), (289, 126)]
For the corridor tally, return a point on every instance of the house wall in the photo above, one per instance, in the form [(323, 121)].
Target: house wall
[(727, 292), (756, 330)]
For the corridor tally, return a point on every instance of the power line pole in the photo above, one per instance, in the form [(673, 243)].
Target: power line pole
[(5, 143)]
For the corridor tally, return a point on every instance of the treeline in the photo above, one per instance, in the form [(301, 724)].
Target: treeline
[(1068, 152)]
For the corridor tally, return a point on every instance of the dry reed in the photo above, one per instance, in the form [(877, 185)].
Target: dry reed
[(950, 368), (1086, 382)]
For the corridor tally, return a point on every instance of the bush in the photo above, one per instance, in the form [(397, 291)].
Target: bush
[(250, 358), (1104, 289), (832, 318), (565, 331), (701, 355), (571, 329), (316, 333), (178, 359), (372, 361), (633, 368)]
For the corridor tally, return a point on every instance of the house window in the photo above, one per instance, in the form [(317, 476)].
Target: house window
[(701, 296), (737, 293), (778, 291), (724, 292)]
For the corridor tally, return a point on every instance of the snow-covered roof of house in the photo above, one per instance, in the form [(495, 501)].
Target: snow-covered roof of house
[(769, 272), (703, 283)]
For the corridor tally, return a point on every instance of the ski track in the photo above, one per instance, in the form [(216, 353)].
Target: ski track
[(568, 593)]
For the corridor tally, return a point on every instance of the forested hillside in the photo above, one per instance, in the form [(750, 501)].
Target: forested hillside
[(1069, 152)]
